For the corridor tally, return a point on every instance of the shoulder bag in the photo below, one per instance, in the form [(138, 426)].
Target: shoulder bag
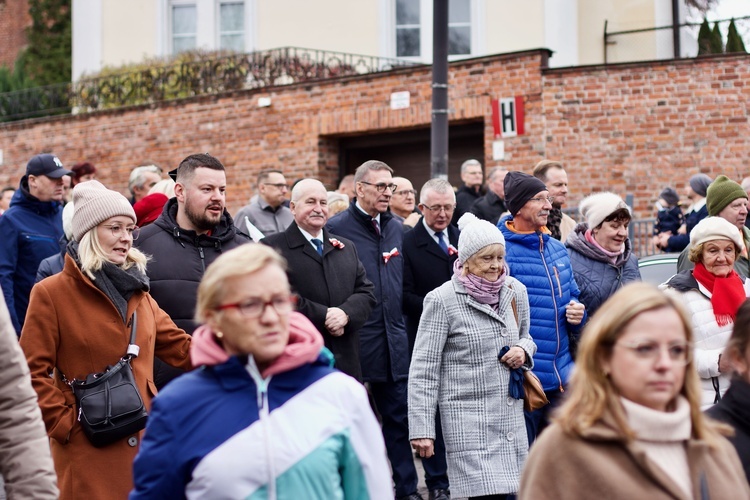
[(110, 406), (533, 392)]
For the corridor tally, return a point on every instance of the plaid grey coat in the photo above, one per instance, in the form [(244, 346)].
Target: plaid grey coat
[(455, 367)]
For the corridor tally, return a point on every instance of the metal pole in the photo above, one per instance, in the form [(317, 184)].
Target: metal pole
[(439, 131), (676, 28)]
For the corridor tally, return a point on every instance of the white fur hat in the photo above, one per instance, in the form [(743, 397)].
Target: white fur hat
[(475, 235), (715, 228), (597, 207)]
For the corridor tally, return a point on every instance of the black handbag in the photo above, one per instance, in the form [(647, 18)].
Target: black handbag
[(110, 406)]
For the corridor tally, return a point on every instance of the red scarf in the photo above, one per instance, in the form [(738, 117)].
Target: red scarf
[(727, 293)]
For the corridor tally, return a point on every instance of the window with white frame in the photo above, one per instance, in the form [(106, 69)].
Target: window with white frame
[(459, 27), (413, 28), (184, 23), (232, 26), (206, 25), (408, 28)]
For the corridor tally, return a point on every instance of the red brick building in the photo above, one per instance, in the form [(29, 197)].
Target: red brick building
[(14, 19), (631, 128)]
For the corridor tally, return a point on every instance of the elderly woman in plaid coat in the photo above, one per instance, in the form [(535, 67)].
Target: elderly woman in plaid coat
[(458, 370)]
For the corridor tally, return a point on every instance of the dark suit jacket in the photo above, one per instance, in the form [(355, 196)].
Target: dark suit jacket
[(426, 267), (489, 207), (337, 279)]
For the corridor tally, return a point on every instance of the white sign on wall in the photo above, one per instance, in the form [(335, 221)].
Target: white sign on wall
[(400, 100)]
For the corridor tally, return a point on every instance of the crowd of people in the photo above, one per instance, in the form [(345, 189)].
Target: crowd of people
[(318, 341)]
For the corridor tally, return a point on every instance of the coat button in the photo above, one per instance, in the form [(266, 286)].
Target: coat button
[(132, 441), (511, 436), (511, 401), (504, 332)]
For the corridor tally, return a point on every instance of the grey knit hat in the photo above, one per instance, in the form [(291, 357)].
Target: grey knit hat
[(699, 183), (475, 235), (94, 204)]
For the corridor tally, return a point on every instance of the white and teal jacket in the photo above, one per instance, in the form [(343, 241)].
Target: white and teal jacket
[(224, 432)]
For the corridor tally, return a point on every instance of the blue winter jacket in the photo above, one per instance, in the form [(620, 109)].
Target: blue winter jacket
[(384, 347), (541, 263), (29, 233)]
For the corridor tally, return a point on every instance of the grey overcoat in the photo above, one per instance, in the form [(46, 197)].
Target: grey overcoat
[(455, 367)]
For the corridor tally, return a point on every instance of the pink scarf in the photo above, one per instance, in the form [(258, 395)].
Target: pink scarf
[(305, 343), (483, 291), (612, 255)]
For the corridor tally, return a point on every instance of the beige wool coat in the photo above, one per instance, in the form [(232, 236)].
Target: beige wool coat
[(602, 464), (73, 327)]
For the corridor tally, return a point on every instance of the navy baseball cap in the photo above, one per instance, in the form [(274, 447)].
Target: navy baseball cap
[(47, 164)]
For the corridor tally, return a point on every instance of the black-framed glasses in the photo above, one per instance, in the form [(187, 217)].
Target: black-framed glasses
[(405, 192), (542, 199), (279, 185), (119, 229), (381, 186), (649, 350), (254, 308), (439, 208)]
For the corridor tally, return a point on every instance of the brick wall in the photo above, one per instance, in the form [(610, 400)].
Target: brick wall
[(631, 128), (639, 128), (14, 19)]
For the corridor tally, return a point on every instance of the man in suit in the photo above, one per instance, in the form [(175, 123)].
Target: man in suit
[(325, 272), (429, 254), (384, 345)]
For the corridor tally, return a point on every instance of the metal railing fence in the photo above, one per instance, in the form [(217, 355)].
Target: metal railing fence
[(268, 68)]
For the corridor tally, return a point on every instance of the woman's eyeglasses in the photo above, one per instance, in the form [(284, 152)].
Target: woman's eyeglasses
[(254, 308), (118, 230), (679, 352)]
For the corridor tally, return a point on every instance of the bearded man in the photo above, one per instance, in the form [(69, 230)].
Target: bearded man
[(192, 231)]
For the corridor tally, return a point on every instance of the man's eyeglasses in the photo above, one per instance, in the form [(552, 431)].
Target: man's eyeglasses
[(438, 208), (406, 192), (542, 199), (381, 186), (649, 350), (118, 230), (279, 185), (254, 308)]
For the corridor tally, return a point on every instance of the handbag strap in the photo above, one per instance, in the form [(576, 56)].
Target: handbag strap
[(133, 349)]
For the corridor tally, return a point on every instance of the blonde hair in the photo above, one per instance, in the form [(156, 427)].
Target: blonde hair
[(592, 393), (92, 257), (243, 260), (488, 250)]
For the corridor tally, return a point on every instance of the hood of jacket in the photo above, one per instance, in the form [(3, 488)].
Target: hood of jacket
[(578, 242), (23, 198), (223, 232), (304, 346)]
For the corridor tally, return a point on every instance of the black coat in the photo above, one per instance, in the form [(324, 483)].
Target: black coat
[(426, 267), (465, 198), (178, 260), (734, 409), (383, 344), (489, 207), (337, 279)]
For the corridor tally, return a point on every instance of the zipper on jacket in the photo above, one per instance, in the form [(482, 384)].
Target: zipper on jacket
[(203, 259), (557, 277), (261, 385), (554, 306)]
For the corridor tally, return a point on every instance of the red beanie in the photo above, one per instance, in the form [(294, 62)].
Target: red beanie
[(148, 209)]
